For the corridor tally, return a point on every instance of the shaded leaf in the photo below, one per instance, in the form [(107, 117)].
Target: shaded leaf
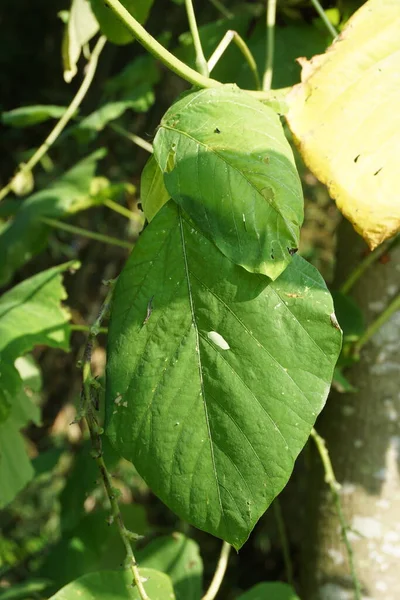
[(116, 585), (135, 83), (178, 557), (112, 27), (345, 121), (226, 161), (153, 194), (213, 431), (25, 235), (25, 116), (22, 591), (79, 30), (270, 591)]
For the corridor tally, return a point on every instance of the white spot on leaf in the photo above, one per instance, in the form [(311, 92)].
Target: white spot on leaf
[(218, 340)]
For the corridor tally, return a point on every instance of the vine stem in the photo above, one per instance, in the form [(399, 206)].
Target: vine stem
[(122, 210), (367, 262), (334, 486), (393, 307), (132, 137), (284, 540), (269, 67), (100, 237), (77, 327), (332, 30), (97, 448), (60, 126), (219, 573), (230, 36), (201, 62)]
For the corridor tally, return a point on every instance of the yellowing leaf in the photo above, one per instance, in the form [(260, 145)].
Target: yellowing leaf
[(79, 30), (345, 119)]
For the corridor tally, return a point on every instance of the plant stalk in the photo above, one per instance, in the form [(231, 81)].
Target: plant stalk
[(393, 307), (284, 540), (219, 573), (230, 36), (332, 30), (201, 62), (100, 237), (132, 137), (122, 210), (334, 486), (69, 113), (269, 67)]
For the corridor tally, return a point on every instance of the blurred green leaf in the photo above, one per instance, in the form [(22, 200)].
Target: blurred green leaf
[(153, 193), (116, 585), (270, 591), (25, 235), (349, 316), (112, 27), (26, 116), (135, 83), (30, 314), (340, 382), (79, 30), (24, 591), (179, 557)]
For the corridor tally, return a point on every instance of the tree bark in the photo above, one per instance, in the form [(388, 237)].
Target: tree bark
[(362, 431)]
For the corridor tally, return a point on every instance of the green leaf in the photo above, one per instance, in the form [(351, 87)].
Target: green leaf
[(341, 116), (135, 83), (23, 591), (213, 395), (270, 591), (26, 235), (226, 161), (79, 30), (25, 116), (349, 316), (112, 27), (30, 314), (116, 585), (178, 557), (153, 194)]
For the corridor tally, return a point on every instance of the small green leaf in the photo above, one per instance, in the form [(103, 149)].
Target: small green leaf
[(79, 30), (178, 557), (115, 585), (214, 423), (112, 27), (135, 83), (21, 591), (153, 194), (270, 591), (25, 235), (227, 163), (25, 116)]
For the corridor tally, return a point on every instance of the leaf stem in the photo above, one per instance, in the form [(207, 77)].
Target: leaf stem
[(60, 126), (122, 210), (332, 30), (367, 262), (230, 36), (219, 573), (76, 327), (284, 540), (393, 307), (132, 137), (97, 448), (100, 237), (334, 486), (222, 9), (201, 62), (269, 67)]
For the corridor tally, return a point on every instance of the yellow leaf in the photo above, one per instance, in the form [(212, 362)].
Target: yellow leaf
[(345, 119)]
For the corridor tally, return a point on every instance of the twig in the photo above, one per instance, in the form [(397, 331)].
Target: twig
[(230, 36), (330, 479), (367, 262), (284, 540), (132, 137), (122, 210), (393, 307), (219, 573), (201, 62), (269, 66), (69, 113), (324, 18), (97, 449), (100, 237)]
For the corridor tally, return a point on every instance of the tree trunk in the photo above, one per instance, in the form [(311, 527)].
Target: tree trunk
[(362, 431)]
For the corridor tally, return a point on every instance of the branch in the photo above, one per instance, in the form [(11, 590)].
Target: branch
[(60, 126), (230, 36), (219, 573)]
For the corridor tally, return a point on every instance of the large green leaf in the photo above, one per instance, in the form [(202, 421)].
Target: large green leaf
[(226, 161), (178, 557), (25, 235), (79, 30), (116, 585), (112, 26), (270, 591), (30, 314), (213, 393), (25, 116), (153, 194)]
